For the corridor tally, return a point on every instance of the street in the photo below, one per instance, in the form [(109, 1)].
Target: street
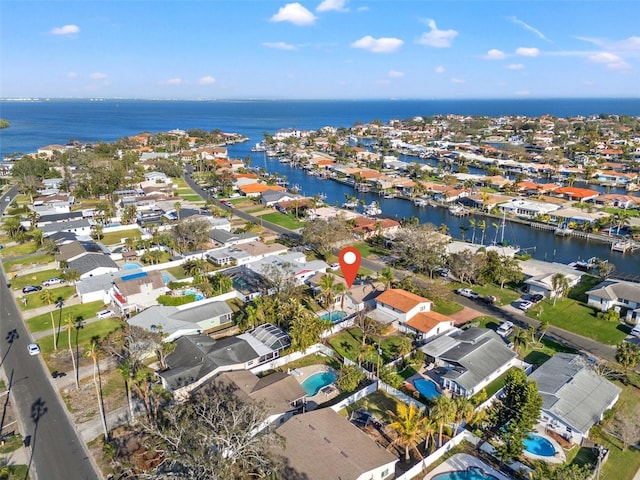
[(56, 451)]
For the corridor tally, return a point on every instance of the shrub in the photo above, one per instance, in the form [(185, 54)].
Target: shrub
[(349, 378), (390, 376), (171, 301)]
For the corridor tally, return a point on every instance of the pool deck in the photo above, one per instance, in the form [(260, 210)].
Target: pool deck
[(462, 461), (559, 457), (302, 373)]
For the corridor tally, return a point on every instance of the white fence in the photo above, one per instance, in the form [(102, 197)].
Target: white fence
[(455, 441), (350, 400), (400, 396), (279, 362)]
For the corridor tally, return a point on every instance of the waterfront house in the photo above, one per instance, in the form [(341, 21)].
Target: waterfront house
[(526, 208), (323, 445), (576, 194), (471, 358), (190, 319), (366, 228), (574, 396), (616, 294)]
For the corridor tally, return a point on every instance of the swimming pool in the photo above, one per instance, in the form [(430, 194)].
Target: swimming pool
[(471, 473), (334, 316), (538, 445), (315, 382), (131, 266), (426, 388), (195, 293)]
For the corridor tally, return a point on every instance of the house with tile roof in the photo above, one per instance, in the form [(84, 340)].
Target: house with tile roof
[(576, 194), (396, 306), (574, 396), (257, 189), (323, 445), (426, 325), (471, 359)]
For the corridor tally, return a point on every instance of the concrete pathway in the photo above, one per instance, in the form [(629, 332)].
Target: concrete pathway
[(46, 333), (34, 312)]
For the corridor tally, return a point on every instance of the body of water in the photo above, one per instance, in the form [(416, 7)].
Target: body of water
[(36, 124)]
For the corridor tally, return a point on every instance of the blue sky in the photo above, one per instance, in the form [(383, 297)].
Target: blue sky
[(322, 49)]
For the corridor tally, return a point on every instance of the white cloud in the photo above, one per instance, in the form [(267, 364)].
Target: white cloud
[(457, 80), (207, 80), (294, 13), (528, 52), (336, 5), (72, 74), (631, 43), (437, 38), (279, 45), (378, 45), (439, 69), (97, 76), (515, 66), (612, 60), (65, 30), (395, 74), (494, 54), (526, 26)]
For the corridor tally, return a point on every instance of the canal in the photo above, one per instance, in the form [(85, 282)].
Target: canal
[(542, 245)]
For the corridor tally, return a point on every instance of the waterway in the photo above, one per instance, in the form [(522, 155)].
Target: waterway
[(539, 244)]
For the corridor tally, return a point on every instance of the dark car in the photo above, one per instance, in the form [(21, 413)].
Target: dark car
[(31, 288), (536, 297), (489, 299)]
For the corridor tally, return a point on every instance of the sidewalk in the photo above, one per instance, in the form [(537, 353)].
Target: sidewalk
[(46, 333), (34, 312)]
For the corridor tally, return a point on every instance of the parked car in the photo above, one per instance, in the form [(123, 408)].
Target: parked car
[(33, 349), (525, 305), (334, 266), (536, 297), (505, 329), (490, 299), (635, 331), (105, 314), (31, 288), (52, 281), (467, 292), (443, 272)]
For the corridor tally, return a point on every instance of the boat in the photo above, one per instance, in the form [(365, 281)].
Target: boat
[(421, 202), (585, 264), (259, 147), (372, 209), (563, 229), (624, 246), (362, 187), (350, 205), (389, 195), (458, 211)]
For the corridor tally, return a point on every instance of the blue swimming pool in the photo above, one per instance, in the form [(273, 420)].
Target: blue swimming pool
[(426, 388), (471, 473), (539, 445), (131, 266), (334, 316), (195, 293), (315, 382)]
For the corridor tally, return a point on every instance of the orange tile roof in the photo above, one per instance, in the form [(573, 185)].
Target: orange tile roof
[(425, 321), (577, 192), (400, 299), (259, 188)]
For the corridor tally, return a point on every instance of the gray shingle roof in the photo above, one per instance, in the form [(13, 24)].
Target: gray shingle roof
[(91, 261), (614, 289), (573, 392), (60, 226)]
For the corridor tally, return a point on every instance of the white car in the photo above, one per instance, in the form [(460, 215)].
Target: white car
[(505, 329), (467, 292), (105, 314), (526, 305), (33, 349), (52, 281), (334, 266), (635, 331), (7, 199)]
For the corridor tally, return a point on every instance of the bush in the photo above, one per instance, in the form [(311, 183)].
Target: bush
[(349, 378), (177, 285), (171, 301), (390, 376)]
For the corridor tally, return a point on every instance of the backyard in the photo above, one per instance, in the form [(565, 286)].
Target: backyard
[(348, 343), (283, 220)]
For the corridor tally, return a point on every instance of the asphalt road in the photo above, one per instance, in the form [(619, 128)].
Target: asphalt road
[(56, 451)]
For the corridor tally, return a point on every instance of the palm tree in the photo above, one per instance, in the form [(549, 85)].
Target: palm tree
[(125, 369), (386, 277), (408, 423), (464, 412), (328, 286), (560, 285), (47, 296), (542, 329), (444, 412), (482, 225), (178, 207), (429, 428), (463, 232), (520, 339), (473, 225), (70, 323), (495, 237), (92, 353)]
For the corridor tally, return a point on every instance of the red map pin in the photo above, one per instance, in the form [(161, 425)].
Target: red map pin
[(349, 258)]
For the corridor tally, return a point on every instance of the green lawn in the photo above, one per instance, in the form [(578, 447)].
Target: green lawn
[(98, 329), (33, 278), (17, 472), (192, 197), (283, 220), (34, 300), (537, 356), (177, 272), (18, 250), (621, 465), (378, 403), (587, 282), (42, 322), (113, 238), (504, 296), (347, 343), (33, 260), (578, 318), (445, 306)]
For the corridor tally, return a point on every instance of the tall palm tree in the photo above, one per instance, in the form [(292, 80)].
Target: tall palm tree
[(443, 412), (409, 424), (328, 285), (497, 228), (464, 412), (47, 296), (178, 207), (473, 223), (482, 225), (92, 353), (386, 277), (520, 339), (560, 285), (542, 329), (70, 323), (463, 232), (126, 370), (429, 428)]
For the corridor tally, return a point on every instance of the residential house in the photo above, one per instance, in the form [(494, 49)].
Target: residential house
[(526, 208), (280, 392), (399, 305), (576, 194), (225, 238), (271, 197), (71, 251), (539, 276), (257, 189), (137, 291), (91, 264), (323, 445), (356, 298), (292, 264), (189, 319), (472, 358), (574, 396), (366, 228), (616, 294), (156, 177), (247, 283), (98, 287), (426, 325), (80, 227)]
